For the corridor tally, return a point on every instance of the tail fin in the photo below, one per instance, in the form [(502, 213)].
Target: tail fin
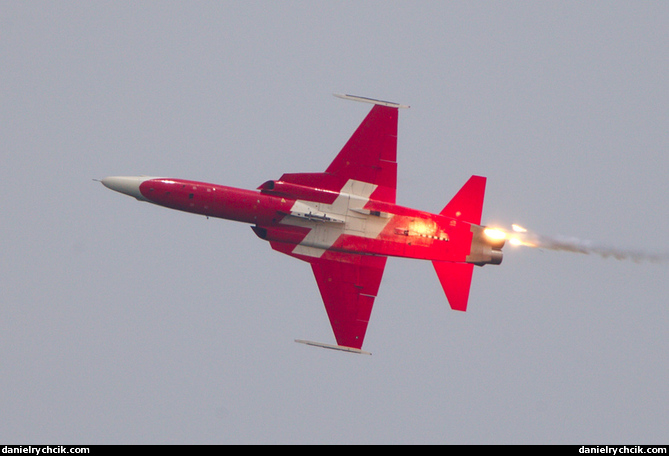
[(467, 206), (456, 279)]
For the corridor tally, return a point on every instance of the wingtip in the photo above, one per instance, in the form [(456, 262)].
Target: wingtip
[(333, 347), (390, 104)]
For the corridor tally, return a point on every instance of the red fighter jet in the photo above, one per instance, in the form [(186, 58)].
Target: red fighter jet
[(344, 222)]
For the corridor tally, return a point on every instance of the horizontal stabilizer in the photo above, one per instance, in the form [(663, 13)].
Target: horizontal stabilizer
[(333, 347), (456, 280), (467, 204)]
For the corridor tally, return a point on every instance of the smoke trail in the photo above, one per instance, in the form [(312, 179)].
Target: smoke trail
[(520, 236)]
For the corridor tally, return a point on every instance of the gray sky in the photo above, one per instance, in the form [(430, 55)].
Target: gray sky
[(124, 322)]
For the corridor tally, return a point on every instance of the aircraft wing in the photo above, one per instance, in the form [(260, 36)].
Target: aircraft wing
[(348, 287), (348, 284), (370, 156)]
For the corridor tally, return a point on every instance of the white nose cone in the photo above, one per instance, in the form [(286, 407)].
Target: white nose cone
[(128, 185)]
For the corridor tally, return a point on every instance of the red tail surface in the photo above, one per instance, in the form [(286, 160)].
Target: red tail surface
[(466, 206), (456, 279)]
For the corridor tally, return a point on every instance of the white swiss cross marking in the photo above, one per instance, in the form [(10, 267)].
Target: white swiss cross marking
[(348, 207)]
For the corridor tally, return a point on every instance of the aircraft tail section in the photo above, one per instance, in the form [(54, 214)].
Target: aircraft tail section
[(456, 280), (467, 204), (466, 209)]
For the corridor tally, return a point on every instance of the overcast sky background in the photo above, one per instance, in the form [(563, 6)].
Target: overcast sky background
[(124, 322)]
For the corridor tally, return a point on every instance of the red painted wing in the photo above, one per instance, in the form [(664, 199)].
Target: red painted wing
[(370, 155), (349, 283), (348, 286)]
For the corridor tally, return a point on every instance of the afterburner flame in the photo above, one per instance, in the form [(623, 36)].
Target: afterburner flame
[(518, 241), (519, 236), (494, 233)]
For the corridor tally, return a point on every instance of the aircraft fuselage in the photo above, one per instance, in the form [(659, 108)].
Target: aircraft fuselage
[(309, 220)]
